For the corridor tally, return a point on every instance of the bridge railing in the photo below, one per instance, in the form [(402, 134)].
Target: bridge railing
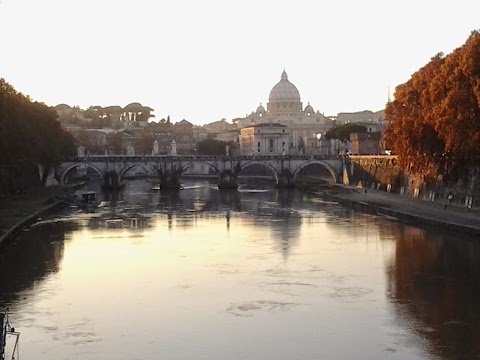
[(156, 158)]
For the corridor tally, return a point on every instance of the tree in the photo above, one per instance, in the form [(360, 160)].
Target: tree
[(343, 132), (30, 136), (212, 147), (144, 145), (115, 142), (434, 121)]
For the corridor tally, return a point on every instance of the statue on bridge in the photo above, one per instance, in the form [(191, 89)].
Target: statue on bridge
[(173, 149), (155, 147)]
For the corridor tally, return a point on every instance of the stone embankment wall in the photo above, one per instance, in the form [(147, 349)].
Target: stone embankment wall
[(383, 173)]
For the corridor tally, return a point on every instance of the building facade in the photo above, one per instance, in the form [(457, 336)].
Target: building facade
[(365, 143), (285, 108), (264, 139)]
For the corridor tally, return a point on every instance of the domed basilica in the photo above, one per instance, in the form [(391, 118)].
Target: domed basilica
[(301, 127)]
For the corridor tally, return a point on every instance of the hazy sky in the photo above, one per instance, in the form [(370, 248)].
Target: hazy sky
[(212, 59)]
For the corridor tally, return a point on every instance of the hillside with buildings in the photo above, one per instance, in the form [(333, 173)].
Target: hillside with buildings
[(285, 127)]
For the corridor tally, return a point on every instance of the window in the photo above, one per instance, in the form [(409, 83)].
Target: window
[(283, 130), (258, 144), (283, 143), (271, 143)]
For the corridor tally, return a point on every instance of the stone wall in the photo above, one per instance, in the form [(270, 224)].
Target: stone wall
[(383, 173)]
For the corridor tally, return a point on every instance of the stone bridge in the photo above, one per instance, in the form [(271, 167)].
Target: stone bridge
[(169, 169)]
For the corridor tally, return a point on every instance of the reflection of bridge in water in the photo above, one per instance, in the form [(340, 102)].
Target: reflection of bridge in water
[(169, 169)]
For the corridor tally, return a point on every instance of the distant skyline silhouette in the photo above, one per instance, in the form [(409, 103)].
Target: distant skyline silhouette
[(204, 61)]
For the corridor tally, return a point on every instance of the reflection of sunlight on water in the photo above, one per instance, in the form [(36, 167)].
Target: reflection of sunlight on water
[(193, 187), (252, 190), (218, 271)]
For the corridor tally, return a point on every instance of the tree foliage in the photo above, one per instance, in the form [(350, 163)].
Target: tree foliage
[(115, 142), (212, 147), (434, 121), (30, 135), (343, 132)]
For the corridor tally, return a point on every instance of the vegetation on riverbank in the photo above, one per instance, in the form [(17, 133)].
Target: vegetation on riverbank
[(30, 135), (434, 121), (15, 208)]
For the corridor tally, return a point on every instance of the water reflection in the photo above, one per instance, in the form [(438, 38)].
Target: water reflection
[(223, 269), (434, 280), (31, 260)]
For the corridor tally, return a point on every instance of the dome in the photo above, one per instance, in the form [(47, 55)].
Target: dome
[(260, 109), (309, 109), (284, 91)]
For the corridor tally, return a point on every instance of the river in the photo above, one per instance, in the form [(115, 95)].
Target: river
[(250, 274)]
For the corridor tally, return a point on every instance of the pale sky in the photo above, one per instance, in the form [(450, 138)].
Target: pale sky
[(207, 60)]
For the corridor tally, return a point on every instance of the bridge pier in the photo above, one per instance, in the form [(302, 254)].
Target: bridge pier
[(285, 180), (111, 181), (228, 180), (170, 178)]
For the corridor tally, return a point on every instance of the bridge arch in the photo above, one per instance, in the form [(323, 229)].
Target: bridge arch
[(217, 170), (188, 165), (327, 166), (271, 167), (130, 167), (69, 168)]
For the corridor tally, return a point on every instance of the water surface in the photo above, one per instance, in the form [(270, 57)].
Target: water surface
[(249, 274)]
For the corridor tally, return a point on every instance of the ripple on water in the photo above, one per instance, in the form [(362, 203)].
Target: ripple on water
[(249, 308), (348, 294)]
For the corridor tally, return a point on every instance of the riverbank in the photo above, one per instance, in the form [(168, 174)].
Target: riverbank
[(17, 211), (412, 210)]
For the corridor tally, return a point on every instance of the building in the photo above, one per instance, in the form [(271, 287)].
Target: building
[(219, 126), (365, 143), (184, 138), (285, 108), (362, 117), (227, 136), (264, 139), (199, 134)]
